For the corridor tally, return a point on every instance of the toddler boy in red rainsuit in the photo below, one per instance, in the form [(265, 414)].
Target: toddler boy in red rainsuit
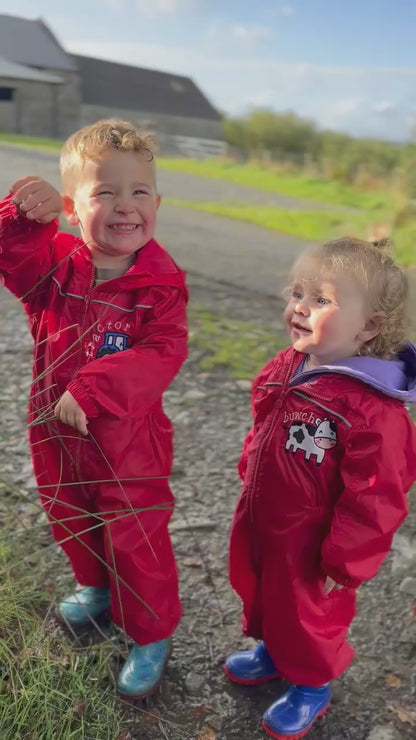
[(108, 318), (325, 469)]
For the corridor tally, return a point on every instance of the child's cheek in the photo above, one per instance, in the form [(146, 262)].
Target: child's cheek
[(287, 316)]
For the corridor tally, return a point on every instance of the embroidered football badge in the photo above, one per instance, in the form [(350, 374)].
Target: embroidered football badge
[(312, 440), (113, 342)]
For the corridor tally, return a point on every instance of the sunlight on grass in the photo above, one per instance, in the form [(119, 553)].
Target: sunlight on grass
[(269, 178), (49, 688), (312, 226), (31, 142), (405, 244), (297, 185)]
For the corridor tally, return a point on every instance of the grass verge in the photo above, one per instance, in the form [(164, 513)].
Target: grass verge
[(31, 142), (314, 226), (241, 347), (49, 688), (297, 185), (270, 179)]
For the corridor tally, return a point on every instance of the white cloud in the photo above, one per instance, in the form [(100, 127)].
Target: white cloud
[(173, 59), (362, 101), (153, 8), (286, 10), (262, 98), (410, 122), (213, 31), (114, 4), (384, 106), (251, 34), (347, 106)]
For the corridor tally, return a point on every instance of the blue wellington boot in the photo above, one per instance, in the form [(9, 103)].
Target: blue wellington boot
[(80, 608), (251, 667), (293, 715), (143, 669)]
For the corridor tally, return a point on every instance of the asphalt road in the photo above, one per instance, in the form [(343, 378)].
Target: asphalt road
[(215, 247)]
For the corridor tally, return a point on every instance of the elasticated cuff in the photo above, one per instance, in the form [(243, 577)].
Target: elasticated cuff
[(84, 399), (340, 577), (11, 216)]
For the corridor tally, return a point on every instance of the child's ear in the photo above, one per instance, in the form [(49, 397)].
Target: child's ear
[(372, 327), (68, 208)]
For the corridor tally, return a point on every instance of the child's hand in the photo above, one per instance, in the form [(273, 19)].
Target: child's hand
[(331, 584), (36, 199), (70, 412)]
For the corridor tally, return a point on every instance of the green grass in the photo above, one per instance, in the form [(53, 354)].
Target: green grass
[(240, 347), (266, 178), (48, 687), (31, 142), (405, 244), (271, 180), (318, 226), (313, 226)]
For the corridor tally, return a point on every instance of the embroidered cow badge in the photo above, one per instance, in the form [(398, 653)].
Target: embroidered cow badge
[(113, 342), (312, 440)]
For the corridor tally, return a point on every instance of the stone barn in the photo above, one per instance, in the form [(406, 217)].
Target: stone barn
[(45, 91)]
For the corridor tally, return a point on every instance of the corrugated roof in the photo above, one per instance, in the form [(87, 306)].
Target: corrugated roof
[(136, 88), (13, 71), (30, 42)]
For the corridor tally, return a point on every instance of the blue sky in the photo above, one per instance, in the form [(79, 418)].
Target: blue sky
[(350, 66)]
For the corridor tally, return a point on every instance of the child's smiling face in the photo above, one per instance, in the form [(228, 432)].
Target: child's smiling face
[(327, 317), (115, 204)]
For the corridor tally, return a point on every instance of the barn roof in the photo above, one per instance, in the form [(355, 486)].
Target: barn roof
[(30, 42), (136, 88), (12, 71), (32, 48)]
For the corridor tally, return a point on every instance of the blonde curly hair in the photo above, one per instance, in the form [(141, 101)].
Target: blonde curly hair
[(90, 142), (384, 284)]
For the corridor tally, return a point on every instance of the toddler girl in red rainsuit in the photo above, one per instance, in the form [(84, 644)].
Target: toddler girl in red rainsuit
[(107, 314), (325, 468)]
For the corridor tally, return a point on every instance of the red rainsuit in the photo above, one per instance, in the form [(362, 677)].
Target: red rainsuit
[(325, 470), (116, 347)]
